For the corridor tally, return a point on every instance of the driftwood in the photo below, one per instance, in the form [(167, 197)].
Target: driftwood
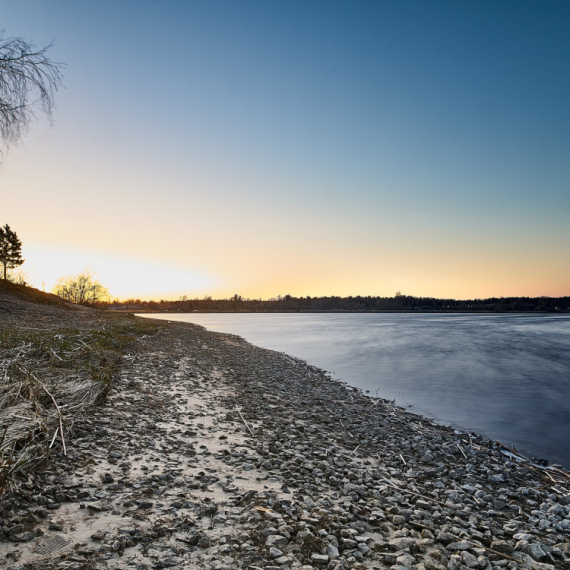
[(462, 452), (400, 490), (246, 424)]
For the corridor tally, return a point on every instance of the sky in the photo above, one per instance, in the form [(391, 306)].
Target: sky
[(291, 147)]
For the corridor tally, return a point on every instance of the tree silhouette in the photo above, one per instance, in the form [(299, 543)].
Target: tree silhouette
[(82, 289), (10, 249), (28, 81)]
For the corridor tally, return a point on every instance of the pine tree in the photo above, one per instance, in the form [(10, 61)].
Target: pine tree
[(10, 249)]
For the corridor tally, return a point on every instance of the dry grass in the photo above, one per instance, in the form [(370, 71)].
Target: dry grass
[(50, 376), (312, 545)]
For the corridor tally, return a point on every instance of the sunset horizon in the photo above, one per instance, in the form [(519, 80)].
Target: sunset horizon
[(331, 149)]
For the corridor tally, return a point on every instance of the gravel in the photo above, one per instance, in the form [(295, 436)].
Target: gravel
[(212, 453)]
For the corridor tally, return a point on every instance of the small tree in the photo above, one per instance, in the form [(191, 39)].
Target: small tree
[(81, 289), (10, 250), (28, 81), (20, 277)]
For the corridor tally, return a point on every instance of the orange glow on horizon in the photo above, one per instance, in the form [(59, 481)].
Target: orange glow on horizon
[(137, 278)]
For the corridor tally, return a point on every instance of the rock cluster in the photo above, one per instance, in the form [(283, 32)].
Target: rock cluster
[(212, 453)]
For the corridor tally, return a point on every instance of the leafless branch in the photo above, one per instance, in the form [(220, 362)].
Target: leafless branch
[(28, 81)]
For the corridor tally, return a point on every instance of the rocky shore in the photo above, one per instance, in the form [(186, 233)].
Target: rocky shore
[(210, 453)]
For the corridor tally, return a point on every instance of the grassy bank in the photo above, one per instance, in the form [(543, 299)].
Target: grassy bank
[(55, 362)]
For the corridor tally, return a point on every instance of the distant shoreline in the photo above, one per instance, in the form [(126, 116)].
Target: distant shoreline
[(339, 311)]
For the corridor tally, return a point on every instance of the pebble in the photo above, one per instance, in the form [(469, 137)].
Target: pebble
[(312, 474), (275, 552), (460, 545)]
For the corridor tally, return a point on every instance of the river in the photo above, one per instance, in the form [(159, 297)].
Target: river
[(504, 376)]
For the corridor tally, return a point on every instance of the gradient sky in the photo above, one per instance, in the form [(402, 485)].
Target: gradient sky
[(311, 148)]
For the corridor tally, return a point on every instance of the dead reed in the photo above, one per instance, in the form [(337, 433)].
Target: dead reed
[(48, 378)]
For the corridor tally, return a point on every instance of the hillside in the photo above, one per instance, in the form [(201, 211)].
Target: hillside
[(12, 295)]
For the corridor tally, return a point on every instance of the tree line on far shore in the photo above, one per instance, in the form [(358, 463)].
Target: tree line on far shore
[(407, 303), (85, 289)]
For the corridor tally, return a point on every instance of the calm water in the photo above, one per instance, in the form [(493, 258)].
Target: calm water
[(504, 376)]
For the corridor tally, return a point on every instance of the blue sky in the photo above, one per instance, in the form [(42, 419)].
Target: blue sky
[(302, 147)]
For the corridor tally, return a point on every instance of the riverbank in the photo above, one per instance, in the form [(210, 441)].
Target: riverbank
[(212, 453), (496, 375)]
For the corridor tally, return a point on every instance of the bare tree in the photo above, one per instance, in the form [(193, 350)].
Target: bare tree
[(82, 289), (28, 81), (20, 277)]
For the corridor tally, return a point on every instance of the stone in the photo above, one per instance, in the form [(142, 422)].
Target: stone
[(99, 535), (469, 560), (406, 560), (55, 526), (431, 564), (455, 562), (269, 531), (275, 552), (402, 543), (535, 551), (204, 542), (348, 543), (502, 546), (496, 478), (460, 545), (319, 559), (276, 540), (332, 551), (445, 538)]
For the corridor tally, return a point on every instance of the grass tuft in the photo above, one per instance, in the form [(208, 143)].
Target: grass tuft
[(73, 366)]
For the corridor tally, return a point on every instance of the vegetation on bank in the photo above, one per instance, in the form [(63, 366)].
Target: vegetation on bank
[(405, 303), (50, 375)]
